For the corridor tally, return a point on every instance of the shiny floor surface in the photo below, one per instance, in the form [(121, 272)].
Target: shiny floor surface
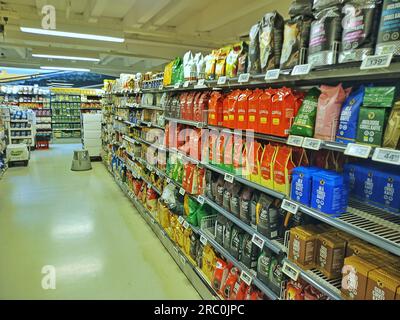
[(77, 232)]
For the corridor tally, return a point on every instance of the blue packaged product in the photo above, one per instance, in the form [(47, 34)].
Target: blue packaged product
[(347, 130), (388, 187), (328, 192), (302, 184)]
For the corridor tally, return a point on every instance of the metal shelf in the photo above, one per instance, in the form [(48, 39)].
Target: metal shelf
[(20, 137), (21, 129), (187, 122), (66, 129)]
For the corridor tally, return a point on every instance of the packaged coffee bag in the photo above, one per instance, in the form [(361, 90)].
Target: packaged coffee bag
[(323, 4), (389, 29), (300, 8), (392, 132), (254, 65)]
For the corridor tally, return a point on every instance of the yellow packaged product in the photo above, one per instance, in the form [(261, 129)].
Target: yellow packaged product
[(168, 74), (266, 166), (210, 65), (209, 261)]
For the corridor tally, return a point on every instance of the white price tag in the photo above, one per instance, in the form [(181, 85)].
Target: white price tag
[(290, 206), (258, 241), (203, 240), (149, 186), (186, 225), (246, 278), (186, 84), (176, 250), (177, 85), (168, 180), (291, 272), (229, 178), (200, 199), (301, 69), (160, 87), (182, 191), (182, 258), (149, 124), (376, 62), (149, 168), (387, 156), (201, 82), (221, 80), (272, 74), (296, 141), (358, 150), (244, 77), (152, 221), (311, 143), (181, 219)]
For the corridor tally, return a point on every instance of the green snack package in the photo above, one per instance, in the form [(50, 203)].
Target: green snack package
[(304, 121), (201, 213), (176, 70), (192, 216), (379, 97), (371, 122)]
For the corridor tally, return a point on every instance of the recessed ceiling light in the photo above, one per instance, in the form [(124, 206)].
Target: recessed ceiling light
[(50, 56), (65, 69), (71, 34)]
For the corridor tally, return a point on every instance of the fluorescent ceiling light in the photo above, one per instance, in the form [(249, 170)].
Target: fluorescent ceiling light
[(71, 34), (65, 69), (50, 56)]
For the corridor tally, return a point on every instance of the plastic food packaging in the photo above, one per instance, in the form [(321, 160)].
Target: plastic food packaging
[(302, 184), (328, 111), (264, 111), (263, 266), (220, 66), (388, 36), (254, 65), (250, 252), (271, 39), (267, 218), (283, 110), (304, 122), (325, 37), (283, 167), (319, 5), (230, 282), (210, 62), (300, 8), (347, 131), (245, 200), (236, 60), (392, 133), (253, 109), (266, 166), (370, 126), (215, 109), (188, 64), (360, 22), (379, 97), (242, 110)]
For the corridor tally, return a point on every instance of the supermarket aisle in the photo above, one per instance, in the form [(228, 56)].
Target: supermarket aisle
[(83, 225)]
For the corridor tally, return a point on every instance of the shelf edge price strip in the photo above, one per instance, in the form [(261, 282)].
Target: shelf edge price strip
[(203, 240), (181, 220), (292, 273), (311, 143), (229, 178), (258, 241), (246, 278), (272, 74), (389, 156), (376, 61), (290, 206), (301, 69), (358, 150), (296, 141), (244, 77), (221, 80)]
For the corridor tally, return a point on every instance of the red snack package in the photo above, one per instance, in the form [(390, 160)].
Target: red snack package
[(254, 294), (220, 274), (253, 106), (310, 293), (232, 106), (238, 161), (283, 167), (215, 109), (228, 153), (282, 112), (200, 107), (294, 290), (242, 109), (182, 104), (230, 282), (264, 111), (225, 112), (201, 178), (190, 105), (239, 290), (213, 138)]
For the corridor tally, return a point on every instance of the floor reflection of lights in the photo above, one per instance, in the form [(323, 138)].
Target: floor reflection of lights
[(82, 268), (75, 229)]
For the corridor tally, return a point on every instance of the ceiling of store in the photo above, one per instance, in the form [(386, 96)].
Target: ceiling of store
[(155, 31)]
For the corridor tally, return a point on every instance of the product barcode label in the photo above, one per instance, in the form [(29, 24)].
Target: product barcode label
[(376, 62), (311, 143), (203, 240), (272, 74), (244, 77), (246, 278), (182, 191), (296, 141), (229, 178), (177, 85), (186, 84), (289, 206), (221, 80), (200, 199), (387, 156), (301, 70), (181, 219), (186, 225), (258, 241), (358, 150), (291, 272)]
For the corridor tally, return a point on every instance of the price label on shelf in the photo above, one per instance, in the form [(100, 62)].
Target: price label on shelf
[(244, 77), (186, 225), (201, 82), (200, 125), (229, 178), (311, 143), (358, 150), (152, 221), (200, 199), (296, 141), (149, 167), (181, 220), (168, 180), (301, 69), (177, 85), (290, 206), (221, 80), (176, 251), (376, 61), (389, 156), (203, 240), (186, 84), (258, 241), (182, 258), (291, 272), (149, 186), (246, 278), (182, 191), (149, 124), (160, 87), (272, 74)]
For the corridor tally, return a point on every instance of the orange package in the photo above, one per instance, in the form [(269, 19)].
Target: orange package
[(200, 107), (266, 166), (190, 105), (225, 112), (212, 139), (232, 106), (239, 291), (215, 109), (220, 274), (283, 167), (255, 152), (241, 110), (238, 160), (230, 282), (264, 111), (282, 112), (228, 153), (195, 144), (220, 149), (182, 104), (252, 112)]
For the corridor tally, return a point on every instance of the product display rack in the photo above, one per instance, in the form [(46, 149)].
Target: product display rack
[(66, 120)]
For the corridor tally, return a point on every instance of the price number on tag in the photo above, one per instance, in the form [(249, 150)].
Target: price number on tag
[(376, 62), (186, 225), (181, 219), (272, 74), (177, 85), (221, 80), (258, 241), (246, 278), (311, 143), (244, 77), (290, 206), (182, 191), (200, 199), (229, 178), (387, 156), (358, 150), (301, 70), (296, 141), (203, 240), (186, 84), (291, 272)]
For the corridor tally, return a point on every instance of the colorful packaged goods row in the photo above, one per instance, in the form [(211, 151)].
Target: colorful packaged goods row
[(300, 290), (188, 106)]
